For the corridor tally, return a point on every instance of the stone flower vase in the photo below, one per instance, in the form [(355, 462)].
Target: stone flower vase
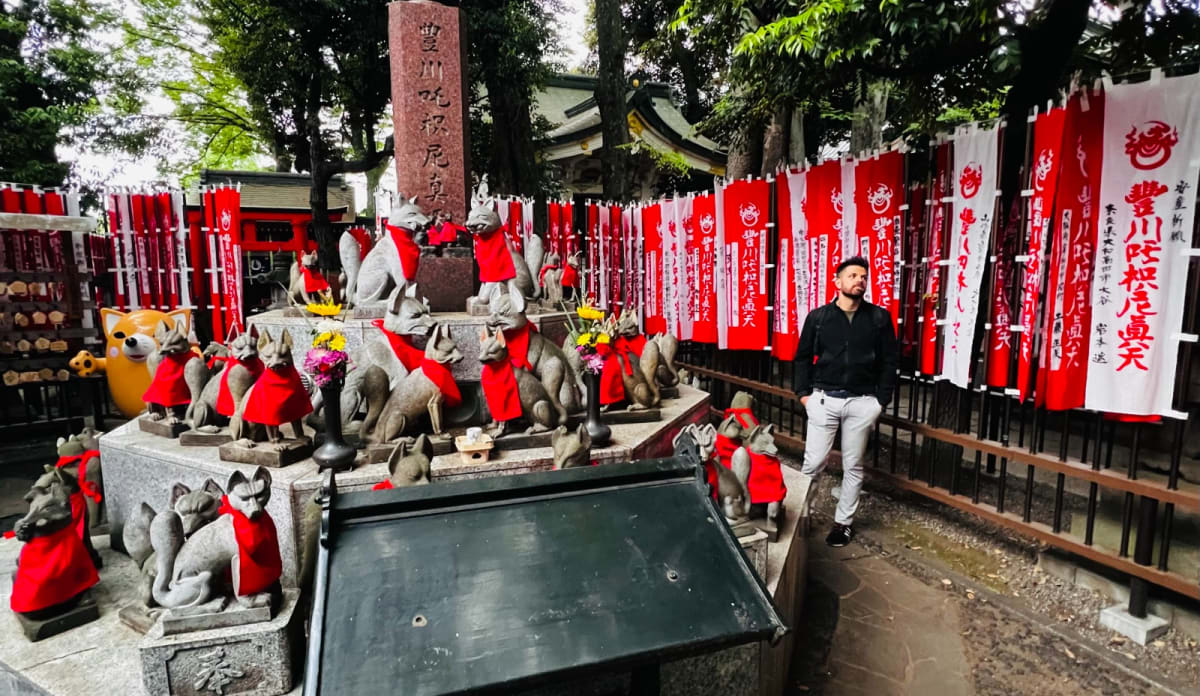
[(335, 453), (597, 429)]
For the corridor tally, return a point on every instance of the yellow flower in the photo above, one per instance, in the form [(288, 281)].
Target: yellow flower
[(324, 310), (586, 312), (338, 342), (584, 339), (602, 338), (322, 339)]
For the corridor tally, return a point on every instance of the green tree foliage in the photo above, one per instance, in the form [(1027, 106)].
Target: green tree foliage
[(60, 85), (509, 55)]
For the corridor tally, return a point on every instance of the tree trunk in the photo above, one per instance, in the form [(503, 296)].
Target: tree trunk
[(692, 108), (775, 149), (514, 159), (745, 153), (866, 131), (1046, 49), (796, 147), (610, 96)]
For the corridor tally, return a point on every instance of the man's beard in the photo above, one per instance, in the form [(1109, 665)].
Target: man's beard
[(854, 293)]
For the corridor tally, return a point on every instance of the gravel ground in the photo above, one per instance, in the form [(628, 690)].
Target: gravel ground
[(1008, 654)]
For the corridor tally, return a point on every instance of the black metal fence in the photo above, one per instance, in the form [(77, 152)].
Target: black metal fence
[(53, 408)]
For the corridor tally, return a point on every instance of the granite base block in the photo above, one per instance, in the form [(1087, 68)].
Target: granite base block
[(256, 660), (195, 438), (226, 614), (139, 617), (84, 611), (161, 428), (270, 455)]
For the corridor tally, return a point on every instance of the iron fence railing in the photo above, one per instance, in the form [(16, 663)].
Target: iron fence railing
[(33, 409)]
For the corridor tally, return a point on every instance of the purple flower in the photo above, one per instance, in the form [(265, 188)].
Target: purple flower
[(593, 363), (326, 366)]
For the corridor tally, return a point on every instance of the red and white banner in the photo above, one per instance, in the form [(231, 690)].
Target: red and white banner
[(976, 157), (704, 261), (606, 246), (879, 193), (823, 210), (745, 213), (1047, 161), (845, 204), (526, 221), (653, 317), (228, 217), (1063, 367), (1147, 195), (680, 279), (553, 235), (933, 284), (593, 252), (791, 267), (570, 242)]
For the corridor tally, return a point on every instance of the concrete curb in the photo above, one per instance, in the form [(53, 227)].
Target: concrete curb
[(1039, 623)]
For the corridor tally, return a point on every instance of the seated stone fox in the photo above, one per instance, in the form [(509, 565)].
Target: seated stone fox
[(533, 351), (216, 393), (240, 544), (512, 392), (656, 354), (426, 389)]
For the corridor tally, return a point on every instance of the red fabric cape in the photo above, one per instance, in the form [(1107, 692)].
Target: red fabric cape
[(313, 280), (278, 397), (570, 277), (409, 355), (51, 570), (363, 238), (225, 404), (542, 273), (499, 382), (624, 346), (443, 380), (383, 485), (612, 389), (725, 447), (636, 344), (495, 263), (766, 479), (744, 416), (446, 234), (410, 253), (518, 346), (259, 564), (168, 387), (88, 488)]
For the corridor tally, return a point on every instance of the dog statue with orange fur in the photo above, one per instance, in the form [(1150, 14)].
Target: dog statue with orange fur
[(129, 341)]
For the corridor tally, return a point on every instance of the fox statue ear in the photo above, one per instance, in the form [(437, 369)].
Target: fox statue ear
[(264, 340), (585, 438), (500, 338), (183, 320), (287, 339), (253, 331), (261, 474), (395, 300)]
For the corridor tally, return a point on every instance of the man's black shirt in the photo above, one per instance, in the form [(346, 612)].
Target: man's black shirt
[(859, 356)]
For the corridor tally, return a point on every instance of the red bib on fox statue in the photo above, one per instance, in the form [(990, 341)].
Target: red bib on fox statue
[(725, 447), (612, 389), (86, 488), (409, 355), (313, 280), (635, 345), (410, 253), (491, 253), (570, 277), (225, 405), (518, 346), (443, 380), (499, 382), (259, 564), (277, 397), (766, 479), (51, 570), (745, 417), (169, 388)]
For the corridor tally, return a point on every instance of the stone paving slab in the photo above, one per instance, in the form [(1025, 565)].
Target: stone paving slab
[(894, 634)]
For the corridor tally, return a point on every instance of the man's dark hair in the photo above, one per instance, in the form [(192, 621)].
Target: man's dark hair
[(853, 261)]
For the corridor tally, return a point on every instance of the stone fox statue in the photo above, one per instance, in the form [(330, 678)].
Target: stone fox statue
[(195, 509), (512, 392), (215, 394), (501, 268), (656, 355), (242, 542), (168, 363), (392, 352), (392, 262), (424, 390), (306, 282), (529, 349), (56, 564), (276, 397), (572, 448), (756, 463)]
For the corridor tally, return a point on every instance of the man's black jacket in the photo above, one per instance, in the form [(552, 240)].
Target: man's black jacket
[(859, 357)]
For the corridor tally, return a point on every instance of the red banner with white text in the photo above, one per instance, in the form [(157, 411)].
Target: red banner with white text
[(704, 321), (879, 193), (933, 271), (745, 216)]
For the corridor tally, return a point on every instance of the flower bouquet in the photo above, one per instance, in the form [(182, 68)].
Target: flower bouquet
[(589, 334), (327, 361)]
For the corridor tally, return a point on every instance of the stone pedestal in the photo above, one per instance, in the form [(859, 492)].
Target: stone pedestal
[(139, 467), (84, 611), (270, 455), (255, 659), (195, 438), (446, 281), (161, 428)]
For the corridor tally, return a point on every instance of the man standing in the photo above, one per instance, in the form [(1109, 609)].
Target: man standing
[(849, 384)]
